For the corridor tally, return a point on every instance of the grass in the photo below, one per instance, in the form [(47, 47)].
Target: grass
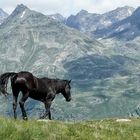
[(55, 130)]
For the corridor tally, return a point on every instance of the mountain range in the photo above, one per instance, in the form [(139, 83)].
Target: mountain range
[(128, 28), (104, 73), (90, 22), (37, 43)]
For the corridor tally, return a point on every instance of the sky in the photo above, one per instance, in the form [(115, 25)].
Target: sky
[(68, 7)]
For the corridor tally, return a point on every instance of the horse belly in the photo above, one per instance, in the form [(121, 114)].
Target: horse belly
[(37, 96)]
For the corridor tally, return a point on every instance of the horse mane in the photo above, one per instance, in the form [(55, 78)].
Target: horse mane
[(57, 80)]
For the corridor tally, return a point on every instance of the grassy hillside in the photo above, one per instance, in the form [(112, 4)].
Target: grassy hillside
[(52, 130)]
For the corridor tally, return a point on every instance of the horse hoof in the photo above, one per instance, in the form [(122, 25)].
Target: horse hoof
[(41, 118), (25, 118), (15, 118)]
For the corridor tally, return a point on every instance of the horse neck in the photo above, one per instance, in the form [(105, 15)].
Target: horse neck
[(60, 86)]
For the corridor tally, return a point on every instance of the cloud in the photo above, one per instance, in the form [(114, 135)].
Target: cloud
[(67, 7)]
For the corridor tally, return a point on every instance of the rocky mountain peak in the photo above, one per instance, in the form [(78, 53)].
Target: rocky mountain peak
[(83, 12), (120, 13), (136, 12), (134, 18), (19, 9)]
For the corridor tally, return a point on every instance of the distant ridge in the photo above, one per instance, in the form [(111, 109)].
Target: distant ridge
[(105, 73), (90, 22), (127, 29)]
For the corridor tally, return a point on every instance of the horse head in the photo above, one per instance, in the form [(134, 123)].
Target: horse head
[(67, 90)]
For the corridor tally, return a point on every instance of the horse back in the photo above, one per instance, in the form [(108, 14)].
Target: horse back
[(23, 81)]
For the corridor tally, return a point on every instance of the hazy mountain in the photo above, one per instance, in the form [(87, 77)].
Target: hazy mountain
[(43, 38), (104, 83), (37, 43), (3, 15), (89, 22), (126, 29), (117, 37)]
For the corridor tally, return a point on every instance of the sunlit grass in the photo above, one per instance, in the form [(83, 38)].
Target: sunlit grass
[(52, 130)]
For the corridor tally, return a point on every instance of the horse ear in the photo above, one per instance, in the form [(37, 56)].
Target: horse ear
[(69, 81)]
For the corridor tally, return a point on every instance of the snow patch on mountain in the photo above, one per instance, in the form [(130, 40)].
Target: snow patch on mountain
[(123, 27), (23, 13)]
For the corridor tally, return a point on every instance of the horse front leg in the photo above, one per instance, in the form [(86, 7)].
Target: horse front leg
[(50, 115), (21, 103), (47, 110), (48, 103)]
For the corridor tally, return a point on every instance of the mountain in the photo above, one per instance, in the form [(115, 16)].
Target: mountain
[(3, 15), (44, 39), (58, 17), (89, 22), (126, 29), (104, 80), (37, 43), (83, 21)]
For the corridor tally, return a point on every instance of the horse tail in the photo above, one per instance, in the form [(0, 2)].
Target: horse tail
[(4, 81)]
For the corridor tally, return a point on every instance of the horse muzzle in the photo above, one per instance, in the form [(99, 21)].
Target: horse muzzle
[(69, 99)]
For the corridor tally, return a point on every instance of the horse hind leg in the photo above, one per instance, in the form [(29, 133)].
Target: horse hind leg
[(15, 106), (22, 102), (15, 97)]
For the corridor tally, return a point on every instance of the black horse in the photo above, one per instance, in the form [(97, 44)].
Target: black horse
[(42, 89)]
